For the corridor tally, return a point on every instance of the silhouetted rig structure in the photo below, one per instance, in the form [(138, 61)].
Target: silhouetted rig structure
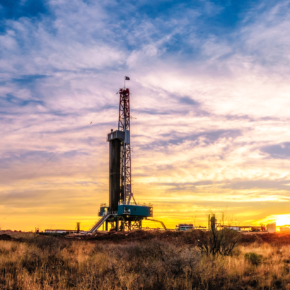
[(123, 212)]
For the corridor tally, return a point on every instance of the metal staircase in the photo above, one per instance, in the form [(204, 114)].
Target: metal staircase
[(99, 223)]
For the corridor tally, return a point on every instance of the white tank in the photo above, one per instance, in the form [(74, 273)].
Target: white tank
[(271, 228)]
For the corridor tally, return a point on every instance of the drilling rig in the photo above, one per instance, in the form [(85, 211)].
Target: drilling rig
[(123, 212)]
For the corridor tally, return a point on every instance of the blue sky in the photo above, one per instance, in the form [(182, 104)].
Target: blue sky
[(209, 93)]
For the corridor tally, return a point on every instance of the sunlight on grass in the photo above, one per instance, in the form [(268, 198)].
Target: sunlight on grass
[(41, 262)]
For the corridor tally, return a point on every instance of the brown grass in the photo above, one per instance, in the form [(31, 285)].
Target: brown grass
[(41, 262)]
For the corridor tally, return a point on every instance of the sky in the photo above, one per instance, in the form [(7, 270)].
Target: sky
[(210, 100)]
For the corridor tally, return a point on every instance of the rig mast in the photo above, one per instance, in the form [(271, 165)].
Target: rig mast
[(124, 126)]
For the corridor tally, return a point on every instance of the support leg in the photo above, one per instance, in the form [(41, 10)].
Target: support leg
[(122, 226), (117, 224)]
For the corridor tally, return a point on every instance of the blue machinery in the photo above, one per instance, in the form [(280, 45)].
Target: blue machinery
[(123, 212), (127, 217)]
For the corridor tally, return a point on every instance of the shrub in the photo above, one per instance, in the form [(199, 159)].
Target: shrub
[(220, 242), (254, 258)]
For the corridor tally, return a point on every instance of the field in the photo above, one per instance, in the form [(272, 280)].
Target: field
[(142, 260)]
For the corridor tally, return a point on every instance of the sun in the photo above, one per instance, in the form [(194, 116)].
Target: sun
[(282, 220)]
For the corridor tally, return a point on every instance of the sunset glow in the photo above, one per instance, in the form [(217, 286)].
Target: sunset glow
[(283, 220)]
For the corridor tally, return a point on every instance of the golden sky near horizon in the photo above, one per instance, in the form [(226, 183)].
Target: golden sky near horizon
[(210, 101)]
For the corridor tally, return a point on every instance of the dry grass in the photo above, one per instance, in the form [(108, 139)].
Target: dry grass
[(40, 262)]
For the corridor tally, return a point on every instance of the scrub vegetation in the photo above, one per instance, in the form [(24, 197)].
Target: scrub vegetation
[(167, 260)]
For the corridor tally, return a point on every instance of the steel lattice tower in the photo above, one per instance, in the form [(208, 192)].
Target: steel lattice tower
[(124, 125)]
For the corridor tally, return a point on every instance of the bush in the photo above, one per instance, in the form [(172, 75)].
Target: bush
[(254, 258), (220, 242)]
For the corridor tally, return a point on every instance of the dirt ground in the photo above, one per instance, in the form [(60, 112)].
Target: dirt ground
[(182, 237), (170, 236)]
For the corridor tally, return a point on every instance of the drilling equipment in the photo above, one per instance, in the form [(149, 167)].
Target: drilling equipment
[(123, 212)]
